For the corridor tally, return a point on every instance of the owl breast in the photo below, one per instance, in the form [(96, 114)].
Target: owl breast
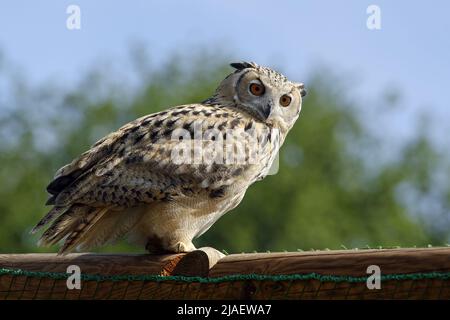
[(269, 147), (182, 220), (186, 218)]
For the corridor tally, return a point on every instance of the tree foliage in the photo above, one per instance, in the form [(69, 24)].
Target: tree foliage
[(328, 192)]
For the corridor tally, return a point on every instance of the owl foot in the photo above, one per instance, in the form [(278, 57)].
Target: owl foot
[(183, 247), (157, 245)]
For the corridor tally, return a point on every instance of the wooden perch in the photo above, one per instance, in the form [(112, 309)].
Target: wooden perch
[(106, 264), (208, 262), (336, 262), (198, 262)]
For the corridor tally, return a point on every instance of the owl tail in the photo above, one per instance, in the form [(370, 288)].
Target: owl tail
[(73, 224), (56, 211)]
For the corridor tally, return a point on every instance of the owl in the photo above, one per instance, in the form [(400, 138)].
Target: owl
[(164, 179)]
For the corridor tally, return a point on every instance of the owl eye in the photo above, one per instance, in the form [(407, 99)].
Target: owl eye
[(285, 100), (257, 89)]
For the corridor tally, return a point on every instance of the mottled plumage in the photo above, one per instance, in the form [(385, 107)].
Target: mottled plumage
[(132, 182)]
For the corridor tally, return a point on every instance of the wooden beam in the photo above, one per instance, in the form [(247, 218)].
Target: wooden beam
[(198, 262), (336, 262), (92, 263), (208, 262)]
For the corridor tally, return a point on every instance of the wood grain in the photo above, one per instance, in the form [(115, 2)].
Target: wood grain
[(198, 262), (339, 262), (207, 262), (106, 264)]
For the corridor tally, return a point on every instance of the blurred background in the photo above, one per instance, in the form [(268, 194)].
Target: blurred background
[(366, 165)]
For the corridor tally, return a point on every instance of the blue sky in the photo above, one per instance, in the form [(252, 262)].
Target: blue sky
[(411, 52)]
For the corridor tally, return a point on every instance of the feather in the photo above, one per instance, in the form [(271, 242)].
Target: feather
[(50, 201), (111, 227), (243, 65), (81, 229), (60, 183), (55, 211), (62, 225)]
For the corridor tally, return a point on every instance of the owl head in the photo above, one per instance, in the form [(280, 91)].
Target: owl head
[(263, 93)]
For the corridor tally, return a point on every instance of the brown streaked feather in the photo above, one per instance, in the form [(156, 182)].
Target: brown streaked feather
[(139, 154), (62, 225), (69, 173), (62, 182), (136, 135), (81, 229), (80, 186), (55, 211), (111, 227)]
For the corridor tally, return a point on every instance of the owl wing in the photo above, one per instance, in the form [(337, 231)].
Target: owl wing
[(135, 165), (141, 161)]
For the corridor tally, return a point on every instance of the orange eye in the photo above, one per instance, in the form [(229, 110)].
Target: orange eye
[(257, 89), (285, 100)]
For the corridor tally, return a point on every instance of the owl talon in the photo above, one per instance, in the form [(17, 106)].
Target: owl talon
[(184, 247)]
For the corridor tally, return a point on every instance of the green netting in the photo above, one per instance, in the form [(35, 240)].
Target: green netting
[(51, 285), (228, 278)]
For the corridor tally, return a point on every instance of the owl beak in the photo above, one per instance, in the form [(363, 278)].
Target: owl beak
[(301, 87), (266, 111)]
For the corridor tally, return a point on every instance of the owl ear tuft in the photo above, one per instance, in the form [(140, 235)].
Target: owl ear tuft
[(243, 65)]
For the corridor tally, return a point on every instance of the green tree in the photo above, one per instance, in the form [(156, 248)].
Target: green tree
[(326, 194)]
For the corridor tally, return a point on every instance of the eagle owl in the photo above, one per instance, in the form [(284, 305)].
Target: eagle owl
[(162, 180)]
